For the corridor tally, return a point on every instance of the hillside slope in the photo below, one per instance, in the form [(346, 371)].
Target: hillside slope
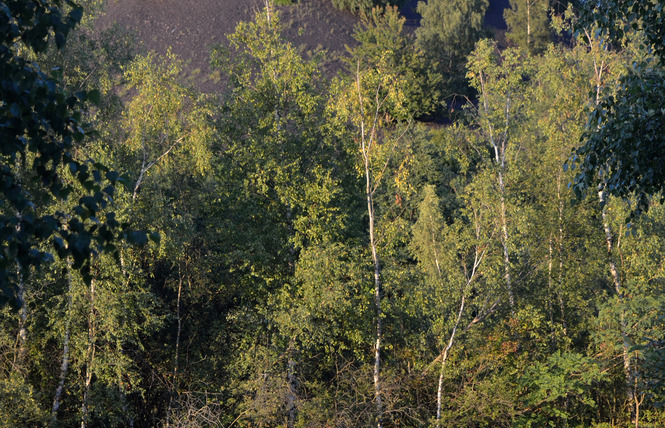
[(190, 27)]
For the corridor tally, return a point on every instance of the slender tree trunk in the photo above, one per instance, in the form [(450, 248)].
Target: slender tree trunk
[(616, 280), (550, 296), (499, 144), (90, 357), (377, 300), (291, 378), (291, 381), (444, 358), (174, 388), (504, 241), (22, 338), (64, 365), (528, 24), (562, 308), (365, 147)]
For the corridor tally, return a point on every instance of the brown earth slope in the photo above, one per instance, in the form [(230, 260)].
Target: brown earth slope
[(191, 27)]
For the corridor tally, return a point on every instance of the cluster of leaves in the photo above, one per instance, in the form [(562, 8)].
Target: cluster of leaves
[(364, 5), (621, 151)]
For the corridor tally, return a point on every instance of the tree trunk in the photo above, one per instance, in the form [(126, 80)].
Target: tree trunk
[(291, 381), (560, 250), (377, 300), (90, 357), (365, 147), (174, 388), (444, 358), (550, 291), (64, 366), (22, 339), (616, 280), (500, 147), (528, 24), (504, 240)]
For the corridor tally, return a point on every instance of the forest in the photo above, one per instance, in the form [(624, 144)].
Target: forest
[(459, 228)]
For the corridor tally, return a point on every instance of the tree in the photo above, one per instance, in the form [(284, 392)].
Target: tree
[(40, 126), (453, 257), (622, 149), (528, 25), (371, 103), (364, 5), (381, 38), (498, 80), (283, 165), (447, 34)]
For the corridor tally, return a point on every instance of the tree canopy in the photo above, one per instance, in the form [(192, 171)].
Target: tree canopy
[(333, 250)]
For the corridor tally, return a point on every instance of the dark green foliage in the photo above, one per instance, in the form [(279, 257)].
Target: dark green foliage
[(622, 149), (40, 126), (624, 146), (382, 43), (619, 18), (447, 34)]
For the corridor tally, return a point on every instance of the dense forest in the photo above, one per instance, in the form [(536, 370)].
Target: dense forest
[(461, 228)]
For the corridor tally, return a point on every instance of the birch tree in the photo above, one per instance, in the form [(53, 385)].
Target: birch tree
[(453, 257), (371, 101), (500, 85)]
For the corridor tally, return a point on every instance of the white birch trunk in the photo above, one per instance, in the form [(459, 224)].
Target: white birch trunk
[(22, 339), (90, 356), (444, 358), (366, 143), (377, 300), (64, 365), (616, 280), (500, 147), (528, 24), (562, 307)]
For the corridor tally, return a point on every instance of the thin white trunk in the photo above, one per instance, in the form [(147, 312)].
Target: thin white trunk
[(616, 280), (64, 365), (470, 277), (22, 339), (366, 143), (528, 24), (90, 356), (504, 243), (377, 301), (444, 358), (500, 148), (559, 290)]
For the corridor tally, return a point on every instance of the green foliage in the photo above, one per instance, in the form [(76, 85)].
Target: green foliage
[(257, 307), (447, 34), (364, 5), (20, 405), (619, 18), (382, 42), (621, 149), (41, 126), (559, 390), (623, 145)]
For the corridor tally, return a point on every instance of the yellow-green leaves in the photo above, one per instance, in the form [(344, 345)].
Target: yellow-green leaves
[(165, 120)]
